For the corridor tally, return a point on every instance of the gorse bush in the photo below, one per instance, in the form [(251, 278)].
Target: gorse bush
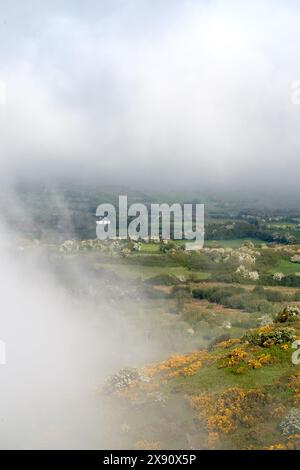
[(268, 336)]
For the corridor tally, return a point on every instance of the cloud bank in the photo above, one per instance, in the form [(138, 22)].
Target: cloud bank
[(147, 91)]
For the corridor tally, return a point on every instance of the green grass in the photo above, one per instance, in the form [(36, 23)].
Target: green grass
[(146, 272), (153, 248), (233, 243), (149, 248), (211, 377)]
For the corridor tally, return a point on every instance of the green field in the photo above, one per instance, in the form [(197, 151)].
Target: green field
[(286, 267), (233, 243), (146, 272)]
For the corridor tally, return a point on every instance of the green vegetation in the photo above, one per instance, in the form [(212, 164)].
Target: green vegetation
[(219, 322), (241, 394)]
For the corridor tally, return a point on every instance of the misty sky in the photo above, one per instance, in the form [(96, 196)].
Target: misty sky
[(151, 90)]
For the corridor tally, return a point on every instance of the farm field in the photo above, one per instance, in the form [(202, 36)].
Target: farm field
[(287, 267)]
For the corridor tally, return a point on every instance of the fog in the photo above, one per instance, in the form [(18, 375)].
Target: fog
[(59, 351), (145, 91)]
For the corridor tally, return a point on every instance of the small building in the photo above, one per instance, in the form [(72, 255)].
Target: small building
[(103, 221)]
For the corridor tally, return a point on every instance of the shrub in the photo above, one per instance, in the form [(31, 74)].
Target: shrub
[(268, 336), (216, 294), (271, 295), (170, 247), (249, 302), (195, 316), (220, 339), (276, 296), (121, 380), (290, 280), (234, 297), (291, 423), (288, 314), (227, 278), (164, 279), (259, 290)]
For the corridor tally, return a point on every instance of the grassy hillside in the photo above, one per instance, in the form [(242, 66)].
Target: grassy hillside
[(214, 323), (237, 394)]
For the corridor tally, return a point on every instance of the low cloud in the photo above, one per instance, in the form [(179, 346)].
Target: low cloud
[(145, 92), (60, 348)]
